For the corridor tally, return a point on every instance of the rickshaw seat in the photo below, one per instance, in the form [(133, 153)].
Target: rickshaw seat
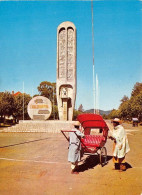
[(93, 140)]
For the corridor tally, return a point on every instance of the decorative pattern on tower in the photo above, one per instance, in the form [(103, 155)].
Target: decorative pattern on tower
[(66, 70)]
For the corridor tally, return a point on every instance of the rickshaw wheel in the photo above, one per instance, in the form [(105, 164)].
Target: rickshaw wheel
[(103, 156)]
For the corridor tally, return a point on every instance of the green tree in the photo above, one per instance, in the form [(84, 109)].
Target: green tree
[(80, 108), (105, 116), (113, 114), (18, 106), (125, 110), (76, 113), (130, 107), (54, 114), (136, 106), (48, 89), (124, 99), (136, 89), (6, 104)]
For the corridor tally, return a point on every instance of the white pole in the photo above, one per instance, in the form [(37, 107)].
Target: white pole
[(53, 104), (93, 57), (98, 98), (97, 95), (32, 92), (23, 101)]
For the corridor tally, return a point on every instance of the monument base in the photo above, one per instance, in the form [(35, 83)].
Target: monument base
[(53, 126)]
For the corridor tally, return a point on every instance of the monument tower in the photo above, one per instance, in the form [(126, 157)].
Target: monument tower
[(66, 70)]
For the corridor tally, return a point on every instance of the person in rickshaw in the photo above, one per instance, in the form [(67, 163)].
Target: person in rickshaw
[(121, 146), (74, 154)]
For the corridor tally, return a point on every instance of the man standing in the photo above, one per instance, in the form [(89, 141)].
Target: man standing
[(121, 146), (74, 154)]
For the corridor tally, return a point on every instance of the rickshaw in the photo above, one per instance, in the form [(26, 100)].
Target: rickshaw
[(95, 136)]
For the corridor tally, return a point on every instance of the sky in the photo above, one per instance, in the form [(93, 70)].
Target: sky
[(28, 47)]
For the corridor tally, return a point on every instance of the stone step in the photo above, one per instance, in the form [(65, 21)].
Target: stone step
[(40, 126)]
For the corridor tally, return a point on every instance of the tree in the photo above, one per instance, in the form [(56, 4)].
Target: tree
[(136, 89), (6, 104), (54, 114), (124, 99), (75, 114), (105, 116), (136, 106), (113, 114), (125, 110), (18, 106), (48, 89), (130, 107), (81, 108)]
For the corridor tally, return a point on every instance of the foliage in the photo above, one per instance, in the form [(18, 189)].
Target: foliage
[(113, 114), (136, 89), (80, 108), (54, 114), (124, 108), (48, 90), (76, 113), (13, 105), (18, 103), (6, 104), (132, 107), (124, 99), (136, 105), (105, 116)]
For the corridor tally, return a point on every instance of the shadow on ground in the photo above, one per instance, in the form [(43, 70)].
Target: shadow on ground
[(90, 162), (16, 144), (128, 166)]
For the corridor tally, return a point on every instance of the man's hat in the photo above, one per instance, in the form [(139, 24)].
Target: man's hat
[(117, 120), (76, 123)]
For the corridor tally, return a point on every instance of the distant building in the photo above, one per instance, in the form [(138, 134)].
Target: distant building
[(17, 93)]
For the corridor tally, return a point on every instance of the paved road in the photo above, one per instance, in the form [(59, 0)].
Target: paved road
[(36, 164)]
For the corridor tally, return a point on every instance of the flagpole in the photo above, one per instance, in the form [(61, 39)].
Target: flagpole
[(93, 58), (53, 104), (23, 101), (97, 95)]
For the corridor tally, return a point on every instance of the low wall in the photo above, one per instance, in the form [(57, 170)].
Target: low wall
[(53, 126)]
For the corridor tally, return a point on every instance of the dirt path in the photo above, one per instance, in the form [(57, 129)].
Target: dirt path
[(36, 164)]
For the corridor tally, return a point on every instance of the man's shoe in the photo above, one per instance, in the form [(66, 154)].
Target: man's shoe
[(122, 167), (116, 166), (74, 172)]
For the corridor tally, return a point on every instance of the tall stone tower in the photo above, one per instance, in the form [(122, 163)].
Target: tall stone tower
[(66, 70)]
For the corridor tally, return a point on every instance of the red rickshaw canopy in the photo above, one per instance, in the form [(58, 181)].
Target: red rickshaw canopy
[(92, 121)]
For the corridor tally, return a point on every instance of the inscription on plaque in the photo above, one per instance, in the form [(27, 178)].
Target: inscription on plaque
[(37, 101), (43, 112), (70, 54), (62, 53), (38, 117)]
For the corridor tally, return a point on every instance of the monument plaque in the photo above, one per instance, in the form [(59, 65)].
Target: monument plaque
[(66, 70), (39, 108)]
